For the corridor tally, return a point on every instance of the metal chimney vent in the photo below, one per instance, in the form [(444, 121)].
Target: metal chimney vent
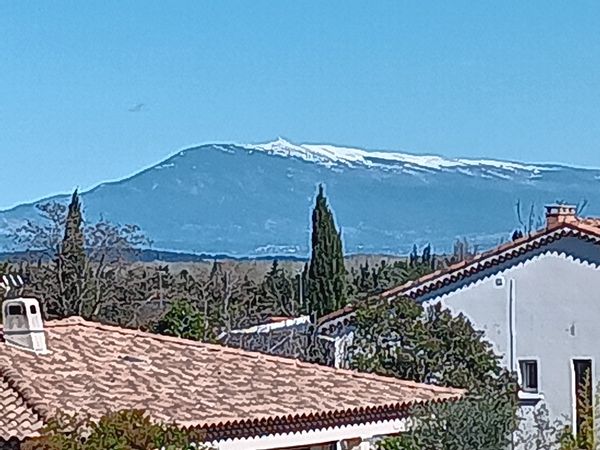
[(23, 324)]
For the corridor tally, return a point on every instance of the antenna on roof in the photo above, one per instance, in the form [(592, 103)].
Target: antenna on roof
[(10, 281)]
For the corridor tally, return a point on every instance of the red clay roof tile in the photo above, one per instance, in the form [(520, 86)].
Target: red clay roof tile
[(94, 368), (17, 419)]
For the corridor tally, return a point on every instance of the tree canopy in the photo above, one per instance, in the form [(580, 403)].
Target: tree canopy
[(120, 430), (183, 320), (401, 338)]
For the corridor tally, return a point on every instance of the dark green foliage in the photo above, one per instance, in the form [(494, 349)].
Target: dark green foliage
[(414, 256), (517, 234), (567, 439), (73, 244), (183, 320), (427, 259), (71, 260), (402, 442), (370, 280), (278, 293), (326, 274), (402, 339), (121, 430)]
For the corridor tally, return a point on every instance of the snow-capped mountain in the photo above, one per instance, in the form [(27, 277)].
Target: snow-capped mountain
[(330, 156), (244, 199)]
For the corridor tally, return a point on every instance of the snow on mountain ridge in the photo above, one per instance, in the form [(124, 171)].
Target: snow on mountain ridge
[(331, 155)]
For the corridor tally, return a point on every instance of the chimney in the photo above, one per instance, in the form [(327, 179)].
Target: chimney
[(560, 214), (23, 325)]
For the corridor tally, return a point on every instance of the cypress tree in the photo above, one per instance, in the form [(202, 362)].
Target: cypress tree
[(326, 274), (72, 257), (73, 246)]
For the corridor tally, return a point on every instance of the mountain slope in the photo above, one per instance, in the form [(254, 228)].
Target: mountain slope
[(256, 199)]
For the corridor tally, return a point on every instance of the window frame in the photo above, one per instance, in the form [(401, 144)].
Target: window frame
[(524, 379), (574, 387)]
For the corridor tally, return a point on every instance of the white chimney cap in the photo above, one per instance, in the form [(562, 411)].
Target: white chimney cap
[(23, 324)]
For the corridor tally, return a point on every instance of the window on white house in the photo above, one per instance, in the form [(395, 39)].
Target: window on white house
[(529, 375)]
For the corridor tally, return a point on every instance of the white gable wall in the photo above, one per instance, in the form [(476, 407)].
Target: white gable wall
[(556, 318)]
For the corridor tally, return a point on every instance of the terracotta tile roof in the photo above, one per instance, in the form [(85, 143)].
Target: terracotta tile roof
[(93, 368), (587, 228), (17, 419)]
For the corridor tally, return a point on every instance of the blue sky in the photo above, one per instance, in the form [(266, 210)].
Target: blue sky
[(514, 80)]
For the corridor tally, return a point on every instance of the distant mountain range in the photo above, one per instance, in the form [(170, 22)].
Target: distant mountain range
[(255, 200)]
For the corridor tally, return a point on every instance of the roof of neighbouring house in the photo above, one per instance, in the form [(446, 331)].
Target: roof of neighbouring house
[(94, 368), (274, 323), (587, 229)]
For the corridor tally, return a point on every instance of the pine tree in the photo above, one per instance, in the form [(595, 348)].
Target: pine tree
[(326, 275), (72, 258)]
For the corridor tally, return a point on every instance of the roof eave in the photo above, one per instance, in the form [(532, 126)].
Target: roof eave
[(428, 283)]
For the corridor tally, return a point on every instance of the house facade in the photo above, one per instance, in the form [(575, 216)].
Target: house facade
[(535, 298), (240, 400)]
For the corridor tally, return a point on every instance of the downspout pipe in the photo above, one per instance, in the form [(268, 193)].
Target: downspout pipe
[(511, 325), (512, 341)]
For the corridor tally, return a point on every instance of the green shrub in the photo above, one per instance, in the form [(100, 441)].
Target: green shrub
[(182, 320), (121, 430), (402, 339)]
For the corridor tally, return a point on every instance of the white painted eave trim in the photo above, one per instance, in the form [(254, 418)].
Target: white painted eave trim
[(505, 272), (314, 437), (412, 290)]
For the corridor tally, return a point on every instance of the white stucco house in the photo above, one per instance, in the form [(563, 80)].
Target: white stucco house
[(536, 298)]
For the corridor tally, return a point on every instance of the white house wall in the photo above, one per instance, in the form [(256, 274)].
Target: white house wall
[(556, 317)]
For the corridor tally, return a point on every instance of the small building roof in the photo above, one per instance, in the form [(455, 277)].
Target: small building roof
[(93, 368)]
